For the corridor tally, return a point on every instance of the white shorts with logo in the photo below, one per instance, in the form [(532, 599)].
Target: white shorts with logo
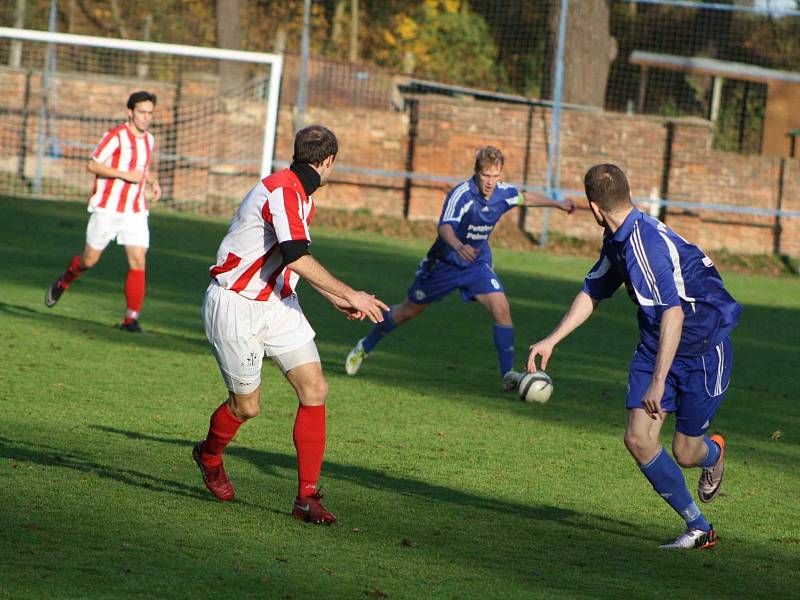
[(128, 229), (241, 331)]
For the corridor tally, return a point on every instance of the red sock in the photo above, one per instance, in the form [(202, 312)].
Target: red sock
[(221, 430), (74, 269), (309, 440), (134, 293)]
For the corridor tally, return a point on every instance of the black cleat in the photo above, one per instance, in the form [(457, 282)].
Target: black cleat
[(132, 326), (54, 293)]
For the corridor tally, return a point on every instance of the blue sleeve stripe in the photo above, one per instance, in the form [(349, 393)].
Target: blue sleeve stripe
[(644, 265), (452, 203)]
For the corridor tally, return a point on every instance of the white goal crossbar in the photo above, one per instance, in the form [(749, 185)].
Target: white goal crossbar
[(274, 60)]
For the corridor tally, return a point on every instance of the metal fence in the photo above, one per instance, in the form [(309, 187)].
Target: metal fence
[(531, 74)]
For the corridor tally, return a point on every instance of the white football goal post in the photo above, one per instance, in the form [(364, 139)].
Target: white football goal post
[(214, 134)]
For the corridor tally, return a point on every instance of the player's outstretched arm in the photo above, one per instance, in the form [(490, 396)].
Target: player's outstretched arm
[(582, 307), (535, 199), (341, 295)]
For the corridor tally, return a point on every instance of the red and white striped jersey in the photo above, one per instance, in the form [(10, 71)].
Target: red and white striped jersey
[(249, 260), (121, 149)]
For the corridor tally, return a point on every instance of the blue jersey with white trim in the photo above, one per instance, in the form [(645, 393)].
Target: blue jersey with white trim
[(473, 218), (660, 270)]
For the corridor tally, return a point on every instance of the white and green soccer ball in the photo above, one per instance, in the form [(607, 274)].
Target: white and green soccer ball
[(535, 387)]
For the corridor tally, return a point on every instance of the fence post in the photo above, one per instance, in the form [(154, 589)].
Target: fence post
[(666, 167), (778, 228), (523, 211), (23, 131), (413, 119), (554, 150)]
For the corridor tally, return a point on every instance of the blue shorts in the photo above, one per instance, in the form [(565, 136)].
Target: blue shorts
[(435, 279), (694, 389)]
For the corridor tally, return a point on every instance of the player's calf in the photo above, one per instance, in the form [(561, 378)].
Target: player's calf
[(711, 477)]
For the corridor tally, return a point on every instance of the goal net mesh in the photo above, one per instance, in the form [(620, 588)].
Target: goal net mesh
[(59, 99)]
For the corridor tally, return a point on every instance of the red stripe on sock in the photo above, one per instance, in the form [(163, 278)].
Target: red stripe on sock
[(221, 430), (134, 290), (74, 269), (309, 440)]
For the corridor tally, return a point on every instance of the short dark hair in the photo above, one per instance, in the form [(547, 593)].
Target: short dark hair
[(313, 144), (488, 155), (141, 96), (607, 186)]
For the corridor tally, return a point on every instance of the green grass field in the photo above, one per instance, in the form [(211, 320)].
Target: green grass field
[(445, 487)]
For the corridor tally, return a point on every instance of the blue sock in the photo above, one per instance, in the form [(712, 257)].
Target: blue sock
[(504, 343), (379, 331), (666, 477), (713, 452)]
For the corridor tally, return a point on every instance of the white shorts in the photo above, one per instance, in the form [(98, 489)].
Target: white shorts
[(128, 229), (242, 331)]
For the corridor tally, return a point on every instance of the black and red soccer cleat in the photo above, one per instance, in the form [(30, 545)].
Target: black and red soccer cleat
[(310, 510), (215, 478), (53, 293), (131, 325)]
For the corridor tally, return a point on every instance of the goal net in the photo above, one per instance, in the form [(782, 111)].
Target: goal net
[(214, 123)]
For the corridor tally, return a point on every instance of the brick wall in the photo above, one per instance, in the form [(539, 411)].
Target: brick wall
[(447, 133)]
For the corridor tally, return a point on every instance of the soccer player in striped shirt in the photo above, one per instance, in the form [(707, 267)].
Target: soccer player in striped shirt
[(122, 167), (251, 309), (461, 259), (683, 361)]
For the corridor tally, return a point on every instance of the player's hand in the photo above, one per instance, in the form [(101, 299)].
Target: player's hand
[(541, 348), (369, 305), (351, 313), (156, 191), (652, 400), (134, 176), (567, 206), (344, 307), (467, 252)]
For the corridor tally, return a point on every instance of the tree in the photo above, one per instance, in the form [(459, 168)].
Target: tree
[(229, 35), (589, 51), (442, 40)]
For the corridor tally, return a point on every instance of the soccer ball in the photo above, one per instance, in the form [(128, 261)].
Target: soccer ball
[(535, 387)]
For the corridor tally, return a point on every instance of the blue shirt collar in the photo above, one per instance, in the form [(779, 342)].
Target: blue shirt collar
[(624, 231)]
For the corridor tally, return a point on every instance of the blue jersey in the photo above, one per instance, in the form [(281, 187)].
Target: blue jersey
[(473, 218), (661, 270)]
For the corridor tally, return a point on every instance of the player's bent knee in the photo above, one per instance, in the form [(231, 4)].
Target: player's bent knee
[(315, 393), (246, 410), (684, 460), (245, 406), (640, 447)]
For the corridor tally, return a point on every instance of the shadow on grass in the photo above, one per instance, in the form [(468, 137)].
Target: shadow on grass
[(486, 531), (93, 329), (373, 479)]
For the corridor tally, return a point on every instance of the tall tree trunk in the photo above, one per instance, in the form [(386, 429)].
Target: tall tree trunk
[(15, 54), (119, 20), (354, 17), (589, 51), (337, 31), (229, 35)]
